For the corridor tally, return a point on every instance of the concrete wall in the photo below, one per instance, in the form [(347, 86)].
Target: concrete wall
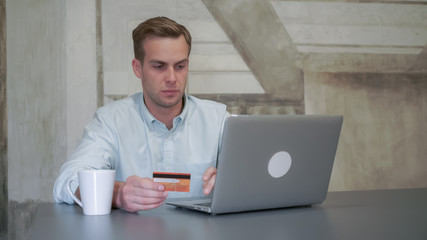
[(64, 56), (383, 141), (36, 96), (36, 107), (3, 123), (81, 68), (51, 92), (51, 89)]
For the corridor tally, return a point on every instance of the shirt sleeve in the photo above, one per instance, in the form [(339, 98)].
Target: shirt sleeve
[(96, 150)]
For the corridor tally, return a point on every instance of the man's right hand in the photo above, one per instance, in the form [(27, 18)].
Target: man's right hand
[(138, 194)]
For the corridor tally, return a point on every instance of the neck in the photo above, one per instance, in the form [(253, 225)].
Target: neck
[(166, 115)]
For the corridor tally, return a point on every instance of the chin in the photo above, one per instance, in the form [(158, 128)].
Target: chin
[(170, 104)]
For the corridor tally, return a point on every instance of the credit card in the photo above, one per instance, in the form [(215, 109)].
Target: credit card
[(176, 182)]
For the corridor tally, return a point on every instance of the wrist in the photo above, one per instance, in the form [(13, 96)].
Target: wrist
[(117, 194)]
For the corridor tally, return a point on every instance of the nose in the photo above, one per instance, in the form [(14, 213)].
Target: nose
[(171, 75)]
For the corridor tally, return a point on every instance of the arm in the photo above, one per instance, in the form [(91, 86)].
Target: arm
[(96, 150), (136, 194)]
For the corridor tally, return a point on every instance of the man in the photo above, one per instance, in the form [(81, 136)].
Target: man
[(160, 129)]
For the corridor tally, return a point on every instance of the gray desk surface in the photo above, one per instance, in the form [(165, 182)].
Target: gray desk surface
[(383, 214)]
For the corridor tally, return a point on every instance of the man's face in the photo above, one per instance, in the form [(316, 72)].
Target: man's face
[(164, 72)]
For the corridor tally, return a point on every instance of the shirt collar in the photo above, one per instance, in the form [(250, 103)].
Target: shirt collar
[(184, 109)]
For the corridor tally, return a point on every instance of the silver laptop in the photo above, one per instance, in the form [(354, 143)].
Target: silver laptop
[(272, 161)]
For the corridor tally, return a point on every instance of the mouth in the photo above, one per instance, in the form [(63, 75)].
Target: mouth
[(170, 92)]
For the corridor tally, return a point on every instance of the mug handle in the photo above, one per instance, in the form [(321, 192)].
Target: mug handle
[(72, 194)]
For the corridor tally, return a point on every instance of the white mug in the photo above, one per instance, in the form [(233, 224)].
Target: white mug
[(96, 191)]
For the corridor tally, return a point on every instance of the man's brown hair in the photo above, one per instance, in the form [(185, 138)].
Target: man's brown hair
[(159, 27)]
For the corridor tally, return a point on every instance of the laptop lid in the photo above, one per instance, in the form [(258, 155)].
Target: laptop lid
[(274, 161)]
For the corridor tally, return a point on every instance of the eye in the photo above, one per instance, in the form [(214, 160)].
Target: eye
[(180, 66), (158, 66)]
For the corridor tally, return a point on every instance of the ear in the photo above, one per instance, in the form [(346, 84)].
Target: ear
[(137, 68)]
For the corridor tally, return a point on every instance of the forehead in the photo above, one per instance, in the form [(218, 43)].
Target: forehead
[(165, 48)]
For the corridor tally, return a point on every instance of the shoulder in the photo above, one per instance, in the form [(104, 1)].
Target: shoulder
[(125, 106), (206, 111), (120, 110), (206, 105)]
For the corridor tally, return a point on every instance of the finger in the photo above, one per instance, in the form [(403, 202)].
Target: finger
[(141, 190), (132, 197), (136, 189), (209, 173), (149, 193), (144, 183), (209, 185), (148, 183), (134, 203), (136, 206), (147, 200), (150, 206)]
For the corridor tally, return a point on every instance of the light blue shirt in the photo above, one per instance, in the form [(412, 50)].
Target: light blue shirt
[(125, 136)]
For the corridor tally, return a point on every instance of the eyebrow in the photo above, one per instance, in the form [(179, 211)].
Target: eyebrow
[(163, 62)]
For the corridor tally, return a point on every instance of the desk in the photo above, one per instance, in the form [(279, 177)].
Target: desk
[(383, 214)]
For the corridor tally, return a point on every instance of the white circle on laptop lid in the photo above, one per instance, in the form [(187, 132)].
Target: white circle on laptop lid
[(279, 164)]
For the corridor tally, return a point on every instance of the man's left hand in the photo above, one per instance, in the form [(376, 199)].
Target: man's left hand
[(209, 180)]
